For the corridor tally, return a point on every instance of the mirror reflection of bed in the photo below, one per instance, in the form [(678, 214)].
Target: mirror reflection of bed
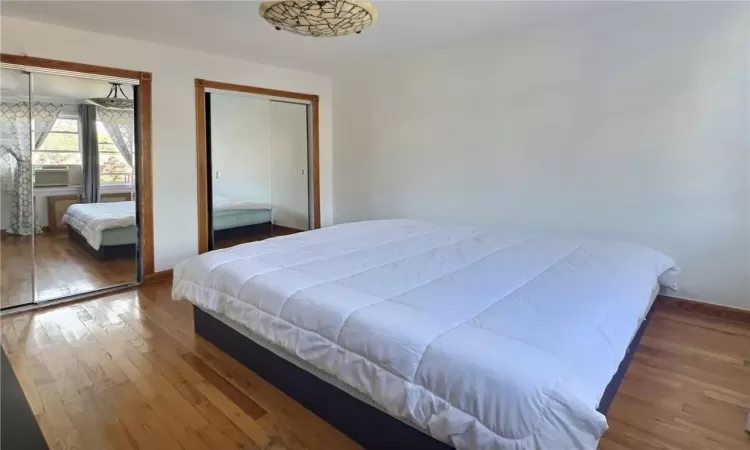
[(258, 151), (67, 209)]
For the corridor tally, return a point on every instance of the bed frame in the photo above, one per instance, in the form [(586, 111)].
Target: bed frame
[(105, 252), (247, 230), (126, 251), (365, 424)]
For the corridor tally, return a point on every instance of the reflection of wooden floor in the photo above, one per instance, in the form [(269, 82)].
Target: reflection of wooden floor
[(277, 231), (62, 269)]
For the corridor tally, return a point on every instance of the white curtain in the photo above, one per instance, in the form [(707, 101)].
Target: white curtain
[(45, 115), (120, 124), (15, 157)]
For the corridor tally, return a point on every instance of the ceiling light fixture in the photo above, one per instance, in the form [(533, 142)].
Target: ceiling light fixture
[(112, 101), (319, 18)]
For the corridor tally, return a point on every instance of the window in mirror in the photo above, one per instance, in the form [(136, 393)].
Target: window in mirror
[(57, 162)]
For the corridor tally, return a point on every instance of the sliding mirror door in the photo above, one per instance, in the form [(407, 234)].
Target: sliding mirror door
[(239, 145), (16, 196), (258, 174), (290, 182), (84, 186)]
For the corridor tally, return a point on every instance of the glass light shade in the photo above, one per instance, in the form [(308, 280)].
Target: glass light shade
[(112, 103), (319, 18)]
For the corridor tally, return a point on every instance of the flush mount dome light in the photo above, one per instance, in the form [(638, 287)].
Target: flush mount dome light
[(319, 18), (112, 101)]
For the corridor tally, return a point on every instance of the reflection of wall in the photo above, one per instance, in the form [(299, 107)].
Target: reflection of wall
[(259, 152), (289, 165), (240, 147)]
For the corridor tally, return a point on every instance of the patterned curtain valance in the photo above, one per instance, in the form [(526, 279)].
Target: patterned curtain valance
[(16, 129)]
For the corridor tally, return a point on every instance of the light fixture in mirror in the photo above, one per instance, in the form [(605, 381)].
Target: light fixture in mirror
[(112, 101), (321, 18)]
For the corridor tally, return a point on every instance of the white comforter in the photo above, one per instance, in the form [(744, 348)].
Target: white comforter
[(486, 340), (222, 203), (90, 219)]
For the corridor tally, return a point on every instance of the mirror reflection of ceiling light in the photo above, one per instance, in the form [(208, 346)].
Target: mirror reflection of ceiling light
[(112, 101)]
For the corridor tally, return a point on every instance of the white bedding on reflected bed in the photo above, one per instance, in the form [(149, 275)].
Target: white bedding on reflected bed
[(91, 219), (492, 340)]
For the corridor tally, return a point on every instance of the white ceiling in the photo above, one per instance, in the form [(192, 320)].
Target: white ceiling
[(14, 85), (234, 28)]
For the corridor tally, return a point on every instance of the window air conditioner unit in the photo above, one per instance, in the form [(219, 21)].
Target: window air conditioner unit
[(48, 176)]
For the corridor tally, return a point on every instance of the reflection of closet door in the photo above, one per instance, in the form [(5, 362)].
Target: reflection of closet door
[(240, 147), (289, 165), (16, 191)]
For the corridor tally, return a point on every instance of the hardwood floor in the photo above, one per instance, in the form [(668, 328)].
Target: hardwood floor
[(687, 388), (127, 372), (15, 270), (62, 268), (231, 242)]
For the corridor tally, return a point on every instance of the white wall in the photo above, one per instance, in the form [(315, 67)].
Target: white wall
[(631, 125), (174, 71), (241, 147), (289, 165)]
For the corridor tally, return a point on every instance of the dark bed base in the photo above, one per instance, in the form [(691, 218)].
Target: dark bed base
[(105, 252), (365, 424), (614, 384), (247, 230)]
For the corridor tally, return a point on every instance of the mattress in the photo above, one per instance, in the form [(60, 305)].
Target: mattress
[(92, 219), (328, 378), (223, 220), (113, 223), (224, 203), (119, 236), (484, 339)]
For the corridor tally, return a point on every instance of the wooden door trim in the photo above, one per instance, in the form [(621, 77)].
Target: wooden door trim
[(201, 151), (145, 172)]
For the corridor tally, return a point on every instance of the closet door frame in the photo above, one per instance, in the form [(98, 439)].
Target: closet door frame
[(202, 152), (144, 170)]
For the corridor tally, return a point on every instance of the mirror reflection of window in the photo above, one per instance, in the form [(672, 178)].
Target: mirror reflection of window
[(57, 162)]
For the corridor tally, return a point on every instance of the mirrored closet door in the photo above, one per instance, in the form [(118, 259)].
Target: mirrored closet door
[(69, 186), (16, 196), (258, 169)]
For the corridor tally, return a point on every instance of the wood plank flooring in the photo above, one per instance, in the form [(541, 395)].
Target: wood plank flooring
[(231, 242), (127, 372), (62, 269)]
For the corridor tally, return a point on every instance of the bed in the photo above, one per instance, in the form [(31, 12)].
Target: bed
[(233, 218), (108, 230), (105, 230), (404, 331)]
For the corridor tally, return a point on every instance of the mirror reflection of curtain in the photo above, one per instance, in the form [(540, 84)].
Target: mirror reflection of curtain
[(89, 154), (120, 124), (15, 157)]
